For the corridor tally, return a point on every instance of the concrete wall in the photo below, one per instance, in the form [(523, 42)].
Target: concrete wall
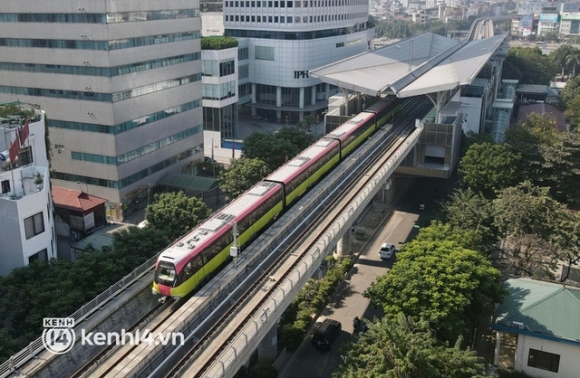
[(569, 362)]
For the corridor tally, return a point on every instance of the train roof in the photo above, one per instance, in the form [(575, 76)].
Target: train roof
[(221, 222), (347, 128), (344, 130), (301, 161)]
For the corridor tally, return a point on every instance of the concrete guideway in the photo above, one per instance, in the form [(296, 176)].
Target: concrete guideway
[(394, 223), (244, 343)]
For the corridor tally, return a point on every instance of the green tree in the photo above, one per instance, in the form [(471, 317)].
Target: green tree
[(8, 345), (299, 139), (136, 245), (305, 123), (534, 67), (59, 287), (572, 112), (470, 211), (561, 167), (527, 216), (549, 158), (560, 57), (440, 280), (242, 175), (566, 237), (403, 347), (571, 90), (521, 141), (573, 60), (175, 213), (525, 209), (487, 168)]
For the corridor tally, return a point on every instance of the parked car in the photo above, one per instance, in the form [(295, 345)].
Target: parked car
[(325, 333), (387, 250)]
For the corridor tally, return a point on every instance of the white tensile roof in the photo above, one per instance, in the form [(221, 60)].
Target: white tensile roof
[(423, 64)]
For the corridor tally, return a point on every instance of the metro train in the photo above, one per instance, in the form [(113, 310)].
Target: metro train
[(194, 257)]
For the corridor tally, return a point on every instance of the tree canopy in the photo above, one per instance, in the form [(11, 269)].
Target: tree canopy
[(242, 175), (549, 158), (59, 287), (527, 217), (470, 211), (437, 278), (403, 347), (566, 58), (487, 168), (175, 213), (571, 90), (532, 65)]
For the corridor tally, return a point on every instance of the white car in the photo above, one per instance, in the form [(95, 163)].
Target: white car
[(386, 251)]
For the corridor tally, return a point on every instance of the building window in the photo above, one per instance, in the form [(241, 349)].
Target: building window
[(243, 53), (227, 67), (544, 360), (264, 53), (34, 225), (40, 256)]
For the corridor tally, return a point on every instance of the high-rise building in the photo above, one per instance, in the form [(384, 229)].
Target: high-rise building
[(288, 38), (120, 82)]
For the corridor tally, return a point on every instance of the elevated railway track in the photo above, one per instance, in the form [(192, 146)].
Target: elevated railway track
[(190, 317)]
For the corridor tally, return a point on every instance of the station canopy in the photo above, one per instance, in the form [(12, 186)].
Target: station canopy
[(423, 64)]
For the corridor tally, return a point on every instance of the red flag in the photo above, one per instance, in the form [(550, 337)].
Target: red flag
[(25, 131), (14, 149)]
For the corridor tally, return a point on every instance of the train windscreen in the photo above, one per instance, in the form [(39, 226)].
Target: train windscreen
[(165, 274)]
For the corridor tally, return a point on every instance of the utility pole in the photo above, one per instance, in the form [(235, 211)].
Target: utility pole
[(234, 250)]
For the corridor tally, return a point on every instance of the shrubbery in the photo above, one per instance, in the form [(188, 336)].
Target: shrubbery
[(218, 43), (512, 374), (310, 301)]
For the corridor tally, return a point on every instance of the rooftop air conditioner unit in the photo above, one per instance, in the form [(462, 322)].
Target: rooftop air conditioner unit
[(518, 325)]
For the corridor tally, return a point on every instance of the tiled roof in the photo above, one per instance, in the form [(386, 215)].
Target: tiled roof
[(543, 308), (75, 199)]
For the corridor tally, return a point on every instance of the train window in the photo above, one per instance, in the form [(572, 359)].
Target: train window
[(188, 269), (197, 263)]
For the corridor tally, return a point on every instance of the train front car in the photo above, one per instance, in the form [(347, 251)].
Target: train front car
[(305, 170), (195, 257)]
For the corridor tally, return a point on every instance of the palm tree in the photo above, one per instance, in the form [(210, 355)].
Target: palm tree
[(573, 60), (560, 56)]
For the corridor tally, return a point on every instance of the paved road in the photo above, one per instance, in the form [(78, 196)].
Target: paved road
[(307, 361), (546, 48)]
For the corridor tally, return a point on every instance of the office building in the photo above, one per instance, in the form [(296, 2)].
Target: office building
[(285, 40), (120, 82)]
